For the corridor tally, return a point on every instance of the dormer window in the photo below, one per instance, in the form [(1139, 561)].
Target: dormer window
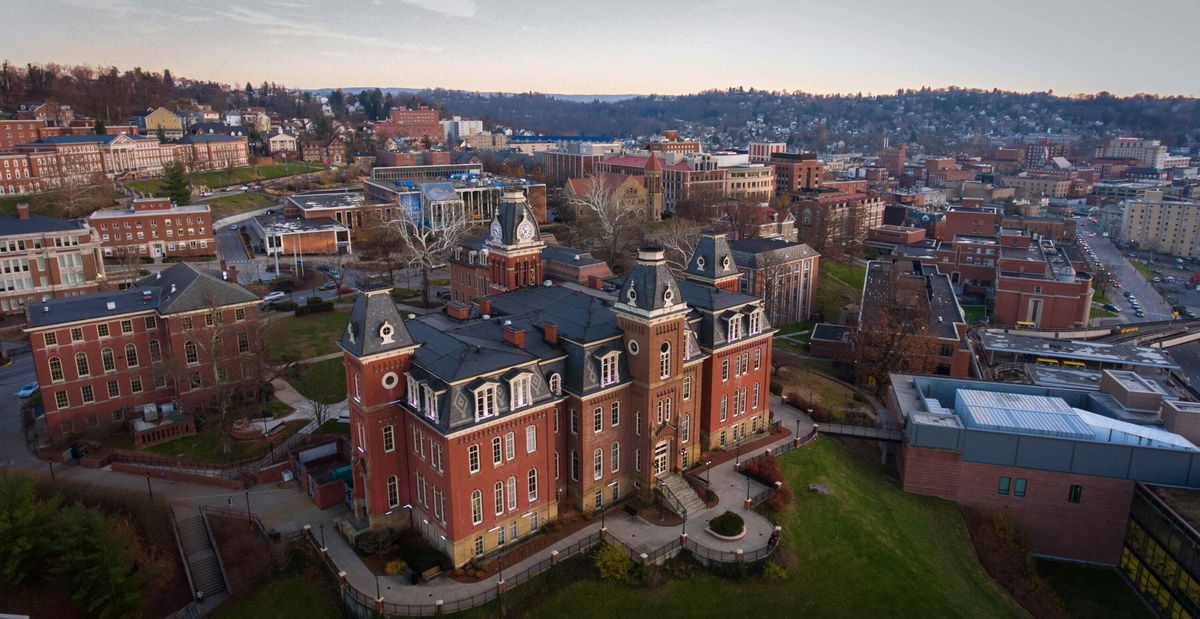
[(756, 322), (521, 391), (631, 295), (485, 402), (555, 382), (700, 262), (608, 369), (414, 393), (667, 296), (725, 263), (430, 408), (735, 328)]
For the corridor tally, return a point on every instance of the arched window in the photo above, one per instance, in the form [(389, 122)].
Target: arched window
[(56, 372), (598, 464), (498, 497), (615, 457), (131, 359), (189, 352), (107, 360), (155, 351), (476, 507), (81, 364), (664, 361), (555, 384), (532, 484), (512, 492), (393, 491)]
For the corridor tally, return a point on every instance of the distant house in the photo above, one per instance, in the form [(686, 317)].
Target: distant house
[(216, 128), (282, 145), (151, 121), (327, 151)]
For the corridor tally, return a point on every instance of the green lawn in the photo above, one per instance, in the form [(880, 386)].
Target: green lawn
[(323, 381), (852, 275), (8, 204), (333, 426), (974, 313), (1093, 592), (797, 327), (1101, 313), (867, 549), (311, 335), (225, 206), (221, 178), (206, 446), (1143, 268), (288, 597)]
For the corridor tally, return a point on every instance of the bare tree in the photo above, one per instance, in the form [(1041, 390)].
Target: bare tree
[(743, 218), (425, 242), (679, 238), (895, 333), (606, 215)]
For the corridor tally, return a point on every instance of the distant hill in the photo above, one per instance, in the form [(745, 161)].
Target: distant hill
[(395, 91)]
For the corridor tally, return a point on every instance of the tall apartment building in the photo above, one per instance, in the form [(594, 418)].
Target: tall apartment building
[(797, 172), (419, 123), (1150, 152), (575, 159), (457, 127), (1167, 226), (474, 427), (156, 228), (46, 257), (893, 159), (1037, 186), (179, 337), (761, 152), (669, 142)]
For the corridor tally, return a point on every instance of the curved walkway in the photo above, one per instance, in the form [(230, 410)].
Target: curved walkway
[(633, 532)]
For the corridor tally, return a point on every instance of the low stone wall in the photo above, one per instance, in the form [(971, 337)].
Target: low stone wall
[(162, 434), (191, 478)]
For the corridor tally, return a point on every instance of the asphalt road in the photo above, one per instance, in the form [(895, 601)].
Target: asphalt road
[(13, 451), (1109, 256)]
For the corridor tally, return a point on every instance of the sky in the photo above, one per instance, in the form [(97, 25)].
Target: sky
[(627, 46)]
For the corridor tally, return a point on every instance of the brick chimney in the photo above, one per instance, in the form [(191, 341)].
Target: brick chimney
[(485, 306), (233, 274), (454, 309), (551, 332), (23, 210), (516, 337), (595, 282)]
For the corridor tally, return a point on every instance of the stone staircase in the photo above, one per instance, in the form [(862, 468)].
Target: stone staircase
[(684, 494), (201, 556)]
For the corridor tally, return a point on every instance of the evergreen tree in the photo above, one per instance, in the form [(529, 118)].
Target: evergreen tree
[(25, 527), (168, 81), (99, 127), (176, 181)]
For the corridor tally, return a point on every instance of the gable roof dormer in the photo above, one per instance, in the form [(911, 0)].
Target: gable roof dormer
[(712, 262)]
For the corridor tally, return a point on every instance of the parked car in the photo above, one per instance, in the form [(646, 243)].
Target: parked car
[(1112, 308), (1189, 314), (273, 296), (28, 390), (328, 286), (271, 211), (345, 290), (1140, 314), (1156, 280)]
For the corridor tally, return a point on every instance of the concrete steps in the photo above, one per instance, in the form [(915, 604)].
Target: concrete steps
[(201, 556), (683, 491)]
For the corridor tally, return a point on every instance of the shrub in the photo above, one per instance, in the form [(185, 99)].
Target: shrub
[(776, 389), (612, 562), (394, 567), (728, 524), (766, 469), (314, 306), (710, 496), (774, 572), (780, 499), (285, 306)]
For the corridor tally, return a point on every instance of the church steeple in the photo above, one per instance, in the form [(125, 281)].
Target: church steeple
[(514, 246)]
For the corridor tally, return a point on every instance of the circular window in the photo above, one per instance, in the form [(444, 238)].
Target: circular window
[(386, 330), (700, 261), (725, 262), (631, 295), (390, 380), (668, 295), (665, 347), (632, 346)]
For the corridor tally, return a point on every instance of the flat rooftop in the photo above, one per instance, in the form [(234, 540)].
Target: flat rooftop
[(1081, 350), (327, 199), (129, 212), (280, 224)]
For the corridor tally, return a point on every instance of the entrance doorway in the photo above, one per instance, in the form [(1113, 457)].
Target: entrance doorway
[(661, 460)]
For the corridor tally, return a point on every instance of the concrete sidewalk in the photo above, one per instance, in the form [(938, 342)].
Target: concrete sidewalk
[(639, 535)]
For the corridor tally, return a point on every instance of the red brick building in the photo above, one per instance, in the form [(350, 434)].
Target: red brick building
[(155, 228), (797, 171), (45, 257), (332, 151), (1068, 484), (180, 337), (422, 122), (482, 421)]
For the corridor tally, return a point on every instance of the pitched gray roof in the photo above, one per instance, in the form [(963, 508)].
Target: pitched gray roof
[(510, 214), (12, 224), (751, 253), (184, 288), (89, 306), (709, 260), (365, 333), (650, 282)]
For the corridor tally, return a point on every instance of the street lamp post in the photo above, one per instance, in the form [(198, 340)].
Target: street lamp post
[(707, 463), (51, 463), (148, 487), (248, 515), (322, 527)]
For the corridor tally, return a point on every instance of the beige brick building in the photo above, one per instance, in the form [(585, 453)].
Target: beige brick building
[(1162, 226)]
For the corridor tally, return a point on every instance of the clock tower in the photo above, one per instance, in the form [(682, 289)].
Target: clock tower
[(514, 246)]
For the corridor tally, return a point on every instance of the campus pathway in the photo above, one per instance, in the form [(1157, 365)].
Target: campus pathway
[(639, 535)]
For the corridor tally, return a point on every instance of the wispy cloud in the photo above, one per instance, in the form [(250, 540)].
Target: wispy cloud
[(289, 5), (277, 26), (453, 8)]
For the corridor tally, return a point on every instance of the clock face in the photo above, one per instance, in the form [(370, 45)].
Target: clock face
[(525, 230), (496, 232)]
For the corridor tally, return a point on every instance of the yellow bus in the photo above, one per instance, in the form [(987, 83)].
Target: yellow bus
[(1026, 325), (1050, 363), (1074, 365)]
